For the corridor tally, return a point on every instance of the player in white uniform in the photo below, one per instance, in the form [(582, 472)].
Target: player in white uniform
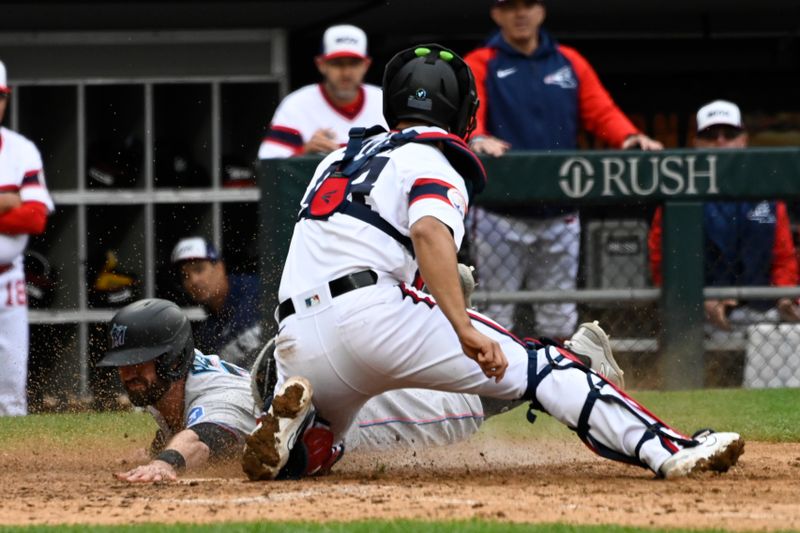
[(24, 206), (315, 119), (353, 325)]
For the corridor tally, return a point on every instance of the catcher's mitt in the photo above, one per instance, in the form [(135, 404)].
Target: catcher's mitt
[(467, 282), (264, 376)]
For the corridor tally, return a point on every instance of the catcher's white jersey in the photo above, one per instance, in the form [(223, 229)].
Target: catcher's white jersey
[(20, 172), (218, 392), (325, 250), (307, 110), (414, 181)]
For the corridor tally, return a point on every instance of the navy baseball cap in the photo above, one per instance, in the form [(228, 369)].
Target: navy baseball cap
[(193, 249)]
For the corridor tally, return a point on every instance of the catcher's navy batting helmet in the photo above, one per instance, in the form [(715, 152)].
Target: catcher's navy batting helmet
[(432, 84), (151, 329)]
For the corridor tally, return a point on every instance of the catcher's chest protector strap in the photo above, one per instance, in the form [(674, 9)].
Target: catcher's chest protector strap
[(331, 195), (335, 193)]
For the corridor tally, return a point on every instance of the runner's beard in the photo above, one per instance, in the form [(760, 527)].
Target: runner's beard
[(149, 395)]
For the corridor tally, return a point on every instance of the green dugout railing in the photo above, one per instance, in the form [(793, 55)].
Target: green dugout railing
[(680, 179)]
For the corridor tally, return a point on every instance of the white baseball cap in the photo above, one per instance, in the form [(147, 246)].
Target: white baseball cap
[(3, 81), (194, 248), (344, 41), (719, 112)]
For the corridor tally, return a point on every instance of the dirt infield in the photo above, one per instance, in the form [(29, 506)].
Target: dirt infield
[(538, 481)]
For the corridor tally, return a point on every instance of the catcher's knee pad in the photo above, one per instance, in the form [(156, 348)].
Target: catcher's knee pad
[(579, 399)]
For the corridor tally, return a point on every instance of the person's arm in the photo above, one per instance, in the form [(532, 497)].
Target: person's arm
[(478, 61), (481, 141), (654, 247), (280, 142), (9, 200), (184, 451), (284, 137), (28, 218), (438, 265), (599, 114), (322, 142), (784, 268)]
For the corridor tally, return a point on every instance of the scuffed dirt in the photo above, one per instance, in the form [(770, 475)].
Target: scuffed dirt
[(519, 481)]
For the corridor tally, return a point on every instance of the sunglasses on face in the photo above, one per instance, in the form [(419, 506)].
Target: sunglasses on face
[(713, 133)]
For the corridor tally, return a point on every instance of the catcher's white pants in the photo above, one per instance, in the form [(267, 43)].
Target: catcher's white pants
[(513, 252), (13, 344), (386, 337)]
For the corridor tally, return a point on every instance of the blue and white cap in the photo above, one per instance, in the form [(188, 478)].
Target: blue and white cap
[(193, 249)]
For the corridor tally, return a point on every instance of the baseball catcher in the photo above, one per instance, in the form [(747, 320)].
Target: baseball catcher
[(354, 324)]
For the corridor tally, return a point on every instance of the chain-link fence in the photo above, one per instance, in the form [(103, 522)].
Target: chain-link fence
[(543, 275), (569, 243)]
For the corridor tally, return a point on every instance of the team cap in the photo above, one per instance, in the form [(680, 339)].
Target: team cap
[(344, 41), (3, 80), (719, 112), (194, 248)]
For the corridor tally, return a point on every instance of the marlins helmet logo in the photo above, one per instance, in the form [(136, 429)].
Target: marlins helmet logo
[(118, 335)]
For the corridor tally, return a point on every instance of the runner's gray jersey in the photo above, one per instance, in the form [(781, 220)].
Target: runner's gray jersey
[(216, 392)]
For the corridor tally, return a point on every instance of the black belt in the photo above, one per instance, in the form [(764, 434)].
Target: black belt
[(339, 286), (5, 268)]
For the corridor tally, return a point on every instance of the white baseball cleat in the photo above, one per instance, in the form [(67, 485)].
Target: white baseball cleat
[(714, 451), (268, 447), (591, 341)]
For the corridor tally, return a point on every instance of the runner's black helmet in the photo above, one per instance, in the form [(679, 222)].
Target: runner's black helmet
[(151, 329)]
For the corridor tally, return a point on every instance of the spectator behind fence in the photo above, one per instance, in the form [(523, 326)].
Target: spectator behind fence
[(233, 328), (747, 243), (316, 119), (535, 95)]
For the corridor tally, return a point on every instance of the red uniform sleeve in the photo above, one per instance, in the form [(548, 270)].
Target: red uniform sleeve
[(654, 247), (29, 218), (599, 114), (478, 61), (784, 258)]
